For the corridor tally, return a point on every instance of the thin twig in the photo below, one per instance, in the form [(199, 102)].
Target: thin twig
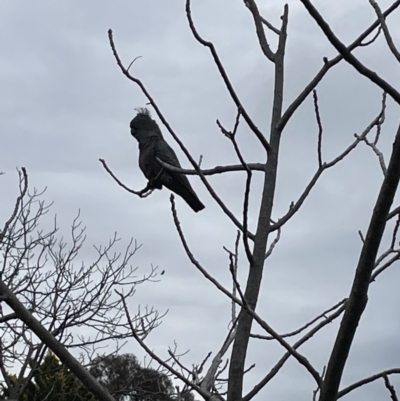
[(367, 380), (305, 326), (146, 191), (395, 231), (382, 120), (385, 266), (386, 32), (264, 21), (233, 266), (232, 136), (378, 153), (24, 188), (225, 78), (393, 213), (390, 388), (131, 63), (212, 374), (273, 243), (369, 42), (320, 130)]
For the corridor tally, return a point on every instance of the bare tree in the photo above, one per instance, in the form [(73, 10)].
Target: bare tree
[(205, 378), (48, 300)]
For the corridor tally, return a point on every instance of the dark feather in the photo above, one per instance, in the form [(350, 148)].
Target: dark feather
[(152, 146)]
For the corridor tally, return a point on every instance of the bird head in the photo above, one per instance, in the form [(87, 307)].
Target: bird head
[(143, 126)]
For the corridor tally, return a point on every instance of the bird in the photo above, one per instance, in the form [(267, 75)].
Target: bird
[(152, 146)]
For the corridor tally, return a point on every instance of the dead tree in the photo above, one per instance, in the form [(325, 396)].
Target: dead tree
[(51, 301), (204, 377)]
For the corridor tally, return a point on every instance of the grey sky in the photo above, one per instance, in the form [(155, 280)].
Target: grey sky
[(65, 104)]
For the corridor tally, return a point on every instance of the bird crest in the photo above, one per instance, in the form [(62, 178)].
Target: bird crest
[(143, 111)]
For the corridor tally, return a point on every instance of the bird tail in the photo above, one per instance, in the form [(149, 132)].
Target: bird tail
[(191, 199)]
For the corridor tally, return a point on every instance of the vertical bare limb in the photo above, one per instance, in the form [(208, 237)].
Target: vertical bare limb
[(233, 267), (358, 295), (232, 136), (395, 231), (320, 130), (239, 350), (24, 188), (381, 119), (390, 388)]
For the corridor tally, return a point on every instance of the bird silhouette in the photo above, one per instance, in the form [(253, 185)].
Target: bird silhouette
[(152, 146)]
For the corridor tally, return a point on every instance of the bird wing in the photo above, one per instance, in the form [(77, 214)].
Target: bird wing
[(165, 153), (176, 182)]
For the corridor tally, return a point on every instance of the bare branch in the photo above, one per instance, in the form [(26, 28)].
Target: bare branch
[(390, 388), (305, 326), (275, 370), (348, 56), (300, 358), (241, 343), (382, 119), (215, 170), (386, 32), (83, 375), (296, 206), (262, 39), (233, 266), (320, 130), (211, 374), (10, 316), (378, 153), (367, 380), (369, 42), (193, 259), (386, 265), (395, 231), (24, 185), (328, 64), (273, 243), (265, 22), (225, 78), (365, 266), (393, 213), (231, 135), (206, 395), (176, 138), (142, 193)]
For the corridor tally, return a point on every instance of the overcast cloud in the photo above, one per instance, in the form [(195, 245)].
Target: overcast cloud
[(65, 104)]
